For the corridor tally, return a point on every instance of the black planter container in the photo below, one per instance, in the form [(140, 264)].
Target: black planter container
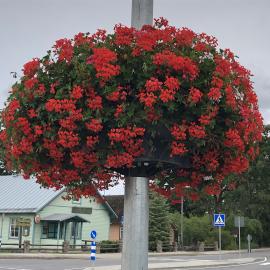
[(156, 156)]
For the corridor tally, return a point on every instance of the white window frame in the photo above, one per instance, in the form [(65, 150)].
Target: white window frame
[(1, 226), (12, 227)]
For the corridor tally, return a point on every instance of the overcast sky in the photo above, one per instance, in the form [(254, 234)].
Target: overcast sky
[(28, 28)]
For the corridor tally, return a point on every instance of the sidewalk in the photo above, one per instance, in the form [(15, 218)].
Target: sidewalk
[(116, 255), (189, 264)]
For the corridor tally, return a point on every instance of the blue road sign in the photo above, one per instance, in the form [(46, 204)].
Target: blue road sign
[(93, 251), (93, 234), (219, 220)]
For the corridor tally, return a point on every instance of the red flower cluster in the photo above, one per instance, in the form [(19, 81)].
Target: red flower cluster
[(195, 95), (30, 68), (68, 139), (196, 131), (64, 49), (178, 63), (94, 125), (155, 89), (94, 102), (101, 59), (59, 105), (178, 149)]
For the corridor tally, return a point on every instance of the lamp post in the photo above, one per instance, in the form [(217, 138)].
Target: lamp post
[(182, 222), (136, 201)]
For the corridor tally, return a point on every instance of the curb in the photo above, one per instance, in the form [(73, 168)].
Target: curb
[(51, 256), (190, 264)]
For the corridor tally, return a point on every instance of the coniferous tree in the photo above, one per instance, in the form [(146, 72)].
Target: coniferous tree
[(159, 223)]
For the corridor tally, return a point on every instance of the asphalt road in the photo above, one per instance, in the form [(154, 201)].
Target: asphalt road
[(80, 264)]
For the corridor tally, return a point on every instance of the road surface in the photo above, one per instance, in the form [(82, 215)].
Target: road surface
[(262, 263)]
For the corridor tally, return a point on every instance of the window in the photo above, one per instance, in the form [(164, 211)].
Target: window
[(76, 230), (25, 231), (49, 230), (13, 228)]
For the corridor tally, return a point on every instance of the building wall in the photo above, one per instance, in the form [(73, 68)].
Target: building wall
[(5, 221), (99, 220), (114, 232)]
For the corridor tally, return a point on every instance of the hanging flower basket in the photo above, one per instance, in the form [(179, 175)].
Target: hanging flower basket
[(162, 98)]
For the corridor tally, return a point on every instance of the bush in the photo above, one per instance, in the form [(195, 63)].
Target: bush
[(196, 229), (108, 246)]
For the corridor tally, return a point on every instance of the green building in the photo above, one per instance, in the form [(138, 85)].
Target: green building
[(43, 217)]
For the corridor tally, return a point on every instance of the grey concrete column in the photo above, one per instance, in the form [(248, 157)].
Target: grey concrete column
[(136, 221), (142, 13)]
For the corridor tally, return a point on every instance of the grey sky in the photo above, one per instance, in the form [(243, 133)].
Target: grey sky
[(28, 28)]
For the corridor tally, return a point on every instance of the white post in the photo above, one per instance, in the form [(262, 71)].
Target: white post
[(136, 221), (182, 222), (219, 234), (239, 232)]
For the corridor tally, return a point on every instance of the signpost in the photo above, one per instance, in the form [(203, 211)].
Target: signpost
[(239, 222), (93, 248), (93, 234), (22, 222), (249, 238), (219, 221)]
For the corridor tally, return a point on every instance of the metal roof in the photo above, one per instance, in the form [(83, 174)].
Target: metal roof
[(18, 195), (64, 217)]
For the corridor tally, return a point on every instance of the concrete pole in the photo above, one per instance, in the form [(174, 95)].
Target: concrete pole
[(136, 221), (142, 13), (136, 202)]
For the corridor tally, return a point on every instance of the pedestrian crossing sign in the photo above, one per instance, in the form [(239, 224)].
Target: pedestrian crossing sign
[(219, 220)]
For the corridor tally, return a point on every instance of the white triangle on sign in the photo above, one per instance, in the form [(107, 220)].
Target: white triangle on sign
[(219, 220)]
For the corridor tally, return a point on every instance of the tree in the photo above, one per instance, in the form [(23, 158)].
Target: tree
[(159, 221), (252, 198)]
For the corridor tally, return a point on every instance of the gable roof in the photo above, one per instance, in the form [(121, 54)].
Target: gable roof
[(65, 217), (117, 204), (18, 195)]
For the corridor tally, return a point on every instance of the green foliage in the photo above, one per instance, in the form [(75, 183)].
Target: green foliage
[(196, 229), (252, 196), (200, 229), (159, 221), (108, 246)]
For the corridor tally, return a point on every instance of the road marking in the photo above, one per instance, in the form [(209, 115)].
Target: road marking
[(267, 263), (167, 259), (12, 268), (81, 268), (223, 266)]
